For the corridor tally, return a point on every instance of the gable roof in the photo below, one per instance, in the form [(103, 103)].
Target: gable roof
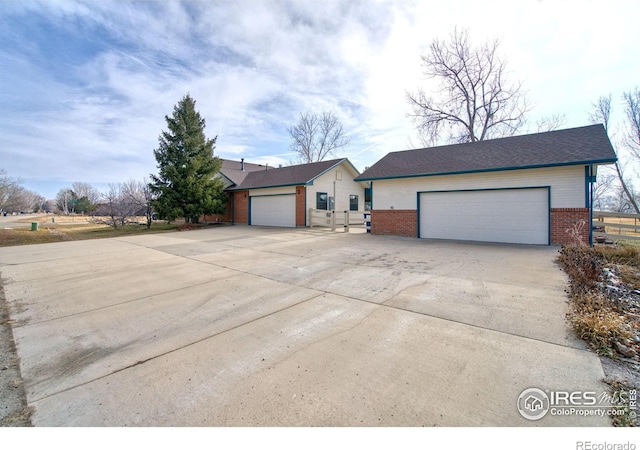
[(300, 174), (232, 170), (584, 145)]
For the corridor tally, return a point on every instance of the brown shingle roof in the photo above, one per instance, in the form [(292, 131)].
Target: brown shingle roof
[(288, 176), (233, 170), (573, 146)]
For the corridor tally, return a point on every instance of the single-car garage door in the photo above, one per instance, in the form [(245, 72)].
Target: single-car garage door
[(518, 216), (273, 210)]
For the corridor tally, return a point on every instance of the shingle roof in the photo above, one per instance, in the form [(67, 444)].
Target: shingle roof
[(287, 176), (584, 145), (233, 170)]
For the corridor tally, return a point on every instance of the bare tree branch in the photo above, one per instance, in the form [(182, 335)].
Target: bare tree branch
[(82, 189), (632, 116), (550, 123), (317, 136), (602, 114), (116, 209), (138, 194), (602, 188), (17, 198), (474, 102)]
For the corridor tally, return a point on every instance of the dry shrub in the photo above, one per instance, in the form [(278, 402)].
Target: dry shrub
[(576, 232), (597, 322), (582, 265), (619, 254), (189, 226), (630, 276)]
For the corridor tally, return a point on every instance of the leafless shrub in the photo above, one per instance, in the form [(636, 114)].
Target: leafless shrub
[(582, 266), (576, 232), (597, 322)]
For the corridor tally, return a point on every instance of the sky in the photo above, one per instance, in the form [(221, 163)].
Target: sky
[(85, 86)]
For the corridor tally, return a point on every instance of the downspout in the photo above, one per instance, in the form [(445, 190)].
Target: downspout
[(233, 208), (591, 181)]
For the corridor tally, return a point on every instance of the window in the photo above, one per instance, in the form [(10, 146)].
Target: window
[(353, 202), (321, 200)]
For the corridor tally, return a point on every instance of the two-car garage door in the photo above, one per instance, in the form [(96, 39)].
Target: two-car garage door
[(501, 215), (273, 210)]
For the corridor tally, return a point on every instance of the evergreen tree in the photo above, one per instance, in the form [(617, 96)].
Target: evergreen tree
[(185, 186)]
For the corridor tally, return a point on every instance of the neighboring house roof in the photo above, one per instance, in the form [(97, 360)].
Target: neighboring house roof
[(232, 170), (300, 174), (584, 145)]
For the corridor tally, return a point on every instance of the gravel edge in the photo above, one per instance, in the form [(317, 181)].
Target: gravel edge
[(14, 411)]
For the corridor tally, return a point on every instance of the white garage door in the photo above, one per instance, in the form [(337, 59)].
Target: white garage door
[(508, 215), (274, 210)]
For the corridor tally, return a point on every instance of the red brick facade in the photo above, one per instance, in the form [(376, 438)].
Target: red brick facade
[(226, 217), (565, 220), (404, 222), (396, 222), (241, 206), (301, 211)]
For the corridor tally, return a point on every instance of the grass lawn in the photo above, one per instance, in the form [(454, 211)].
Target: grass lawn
[(77, 229)]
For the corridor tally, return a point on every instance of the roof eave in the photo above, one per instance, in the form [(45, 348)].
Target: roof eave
[(497, 169), (333, 167), (247, 188)]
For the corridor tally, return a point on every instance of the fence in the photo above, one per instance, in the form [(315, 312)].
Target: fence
[(335, 219), (616, 226)]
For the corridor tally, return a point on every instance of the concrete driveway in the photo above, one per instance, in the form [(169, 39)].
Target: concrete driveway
[(256, 326)]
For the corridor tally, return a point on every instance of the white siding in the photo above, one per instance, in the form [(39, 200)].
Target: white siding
[(567, 186), (273, 191), (343, 188)]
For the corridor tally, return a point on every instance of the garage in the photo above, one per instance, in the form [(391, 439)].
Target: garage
[(518, 216), (533, 188), (273, 210)]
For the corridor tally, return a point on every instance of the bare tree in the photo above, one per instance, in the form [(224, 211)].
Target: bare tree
[(550, 123), (602, 190), (9, 188), (602, 114), (475, 101), (139, 195), (82, 189), (116, 209), (317, 136), (16, 198), (632, 116), (65, 201)]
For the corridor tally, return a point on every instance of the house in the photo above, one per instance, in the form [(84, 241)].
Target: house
[(528, 189), (232, 174), (533, 404), (282, 196)]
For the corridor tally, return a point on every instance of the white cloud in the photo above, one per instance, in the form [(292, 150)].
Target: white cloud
[(88, 84)]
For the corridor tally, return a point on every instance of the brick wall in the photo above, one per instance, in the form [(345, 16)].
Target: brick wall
[(397, 222), (563, 221), (301, 213), (241, 206), (226, 217), (403, 222)]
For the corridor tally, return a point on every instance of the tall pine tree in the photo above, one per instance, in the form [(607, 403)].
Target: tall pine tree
[(186, 186)]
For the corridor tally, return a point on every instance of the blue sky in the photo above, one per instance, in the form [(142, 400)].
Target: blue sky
[(85, 86)]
